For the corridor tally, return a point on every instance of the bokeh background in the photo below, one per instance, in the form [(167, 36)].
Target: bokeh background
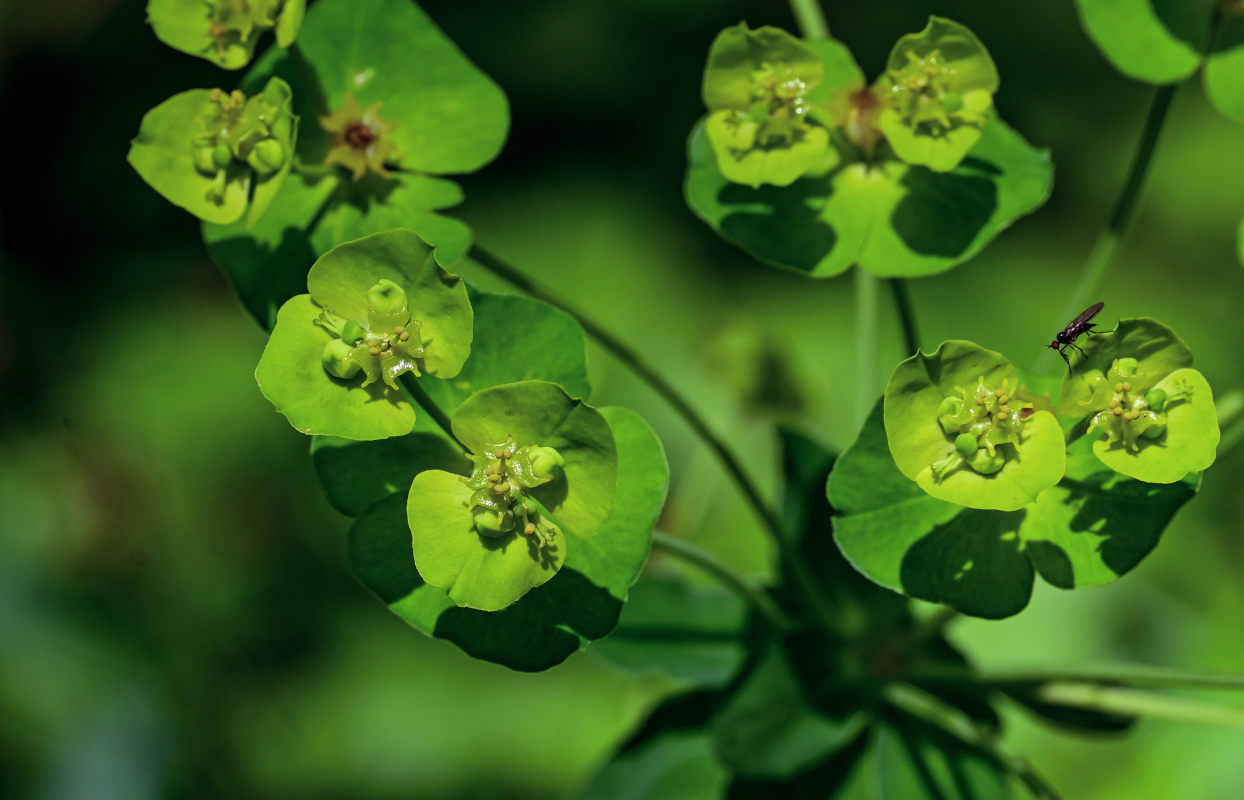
[(177, 613)]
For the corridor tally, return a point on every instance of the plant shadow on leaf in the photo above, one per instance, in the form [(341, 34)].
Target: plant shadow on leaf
[(544, 627), (973, 563), (942, 213), (790, 225)]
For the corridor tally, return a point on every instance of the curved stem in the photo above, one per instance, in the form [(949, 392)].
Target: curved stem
[(906, 315), (636, 363), (810, 18), (1094, 271), (420, 396), (761, 601), (1139, 703), (865, 343)]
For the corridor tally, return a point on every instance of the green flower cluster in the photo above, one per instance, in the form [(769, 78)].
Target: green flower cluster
[(224, 31), (503, 472), (775, 114), (387, 347), (239, 129), (961, 425)]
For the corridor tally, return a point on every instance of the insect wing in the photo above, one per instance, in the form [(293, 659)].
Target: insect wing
[(1084, 317)]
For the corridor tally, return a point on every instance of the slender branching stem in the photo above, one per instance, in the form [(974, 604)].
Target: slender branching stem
[(759, 599), (420, 396), (1138, 702), (1087, 287), (810, 18), (906, 315), (866, 303)]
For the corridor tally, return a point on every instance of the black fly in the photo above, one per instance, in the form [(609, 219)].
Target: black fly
[(1068, 335)]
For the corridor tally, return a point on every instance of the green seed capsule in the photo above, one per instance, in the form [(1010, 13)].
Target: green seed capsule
[(490, 523), (1156, 399), (222, 156), (986, 464), (545, 462), (965, 444), (203, 160), (267, 156), (952, 102), (334, 359)]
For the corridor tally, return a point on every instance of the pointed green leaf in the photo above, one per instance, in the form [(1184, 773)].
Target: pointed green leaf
[(916, 761), (1224, 69), (891, 219), (1158, 41), (919, 442)]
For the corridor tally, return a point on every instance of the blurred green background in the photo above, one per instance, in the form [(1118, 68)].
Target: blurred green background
[(177, 613)]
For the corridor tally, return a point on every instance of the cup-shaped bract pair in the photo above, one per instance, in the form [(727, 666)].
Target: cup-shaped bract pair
[(545, 472), (936, 95), (1152, 415), (224, 31), (377, 308), (214, 153), (757, 88), (959, 426)]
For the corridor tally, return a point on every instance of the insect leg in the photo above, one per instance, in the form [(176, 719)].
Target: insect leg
[(1075, 347)]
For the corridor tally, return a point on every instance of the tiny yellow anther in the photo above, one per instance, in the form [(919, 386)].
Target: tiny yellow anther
[(501, 488)]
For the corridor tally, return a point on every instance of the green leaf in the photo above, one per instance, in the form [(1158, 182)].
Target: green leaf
[(1158, 41), (1224, 69), (919, 442), (267, 263), (355, 474), (517, 339), (291, 376), (186, 25), (693, 635), (341, 278), (889, 218), (938, 90), (1096, 525), (476, 571), (539, 412), (915, 761), (580, 603), (674, 766), (451, 117), (768, 728), (163, 154), (904, 539)]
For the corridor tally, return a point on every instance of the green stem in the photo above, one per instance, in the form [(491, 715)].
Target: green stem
[(1086, 289), (420, 396), (865, 342), (945, 717), (810, 18), (760, 600), (906, 315), (1131, 675), (1136, 702), (632, 359)]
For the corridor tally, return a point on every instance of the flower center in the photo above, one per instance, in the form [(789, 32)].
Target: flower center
[(359, 135)]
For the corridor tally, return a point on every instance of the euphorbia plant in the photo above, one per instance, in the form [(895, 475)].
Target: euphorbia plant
[(496, 507)]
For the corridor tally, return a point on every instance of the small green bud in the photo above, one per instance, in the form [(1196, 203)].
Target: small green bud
[(949, 406), (966, 444), (1155, 399), (352, 332), (386, 306), (1127, 367), (546, 462), (336, 360), (952, 102), (222, 156), (267, 156), (203, 161), (986, 464), (490, 523)]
